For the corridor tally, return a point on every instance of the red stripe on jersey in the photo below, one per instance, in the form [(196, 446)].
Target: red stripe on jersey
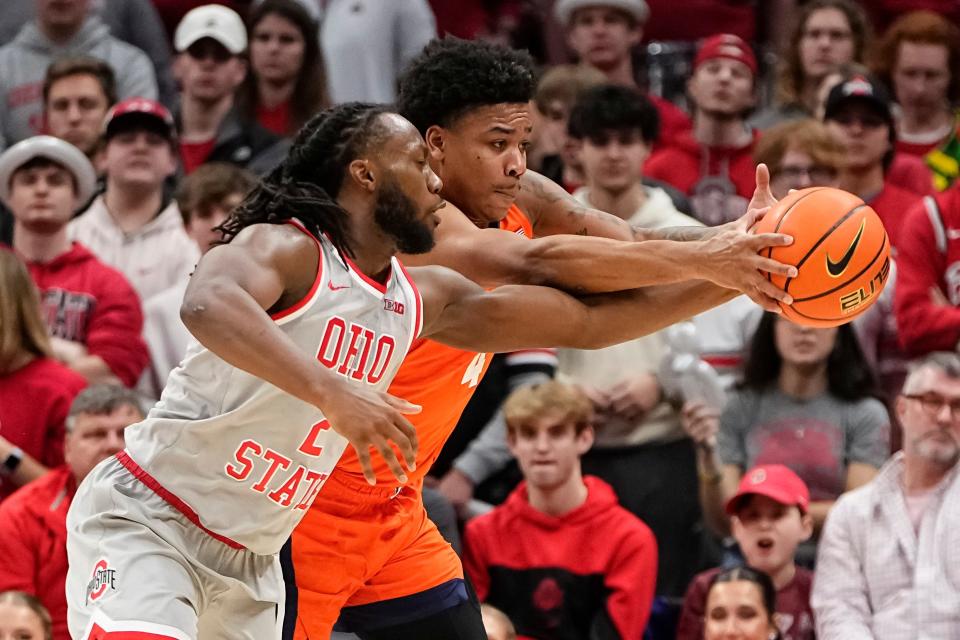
[(151, 483), (416, 294), (316, 281), (98, 633)]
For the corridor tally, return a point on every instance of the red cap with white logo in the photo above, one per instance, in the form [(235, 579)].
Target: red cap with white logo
[(774, 481), (149, 112)]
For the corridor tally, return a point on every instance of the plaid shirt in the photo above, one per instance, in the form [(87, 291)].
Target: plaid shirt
[(876, 577)]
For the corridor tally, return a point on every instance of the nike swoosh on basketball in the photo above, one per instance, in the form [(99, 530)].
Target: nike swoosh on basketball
[(335, 288), (837, 268)]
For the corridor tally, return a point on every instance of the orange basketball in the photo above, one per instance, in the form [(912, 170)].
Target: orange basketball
[(841, 252)]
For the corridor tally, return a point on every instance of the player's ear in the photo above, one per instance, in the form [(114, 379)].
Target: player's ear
[(363, 173), (435, 137)]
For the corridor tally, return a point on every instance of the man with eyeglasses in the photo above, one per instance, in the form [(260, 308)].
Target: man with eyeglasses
[(888, 565), (859, 113), (210, 43)]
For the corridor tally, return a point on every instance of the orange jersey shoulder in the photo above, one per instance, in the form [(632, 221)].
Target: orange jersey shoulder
[(440, 379)]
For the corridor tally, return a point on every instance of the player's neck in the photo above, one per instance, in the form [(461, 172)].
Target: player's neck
[(803, 381), (40, 247), (623, 204), (131, 209), (199, 120), (561, 499), (714, 130), (372, 249), (865, 182)]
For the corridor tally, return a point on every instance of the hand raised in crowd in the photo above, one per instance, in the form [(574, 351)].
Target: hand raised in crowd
[(457, 488), (702, 423), (633, 397)]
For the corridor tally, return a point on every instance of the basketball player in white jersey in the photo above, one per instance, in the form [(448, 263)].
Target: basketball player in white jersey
[(302, 318)]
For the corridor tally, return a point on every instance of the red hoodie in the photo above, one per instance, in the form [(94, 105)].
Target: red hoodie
[(33, 543), (927, 296), (84, 300), (553, 576), (682, 164)]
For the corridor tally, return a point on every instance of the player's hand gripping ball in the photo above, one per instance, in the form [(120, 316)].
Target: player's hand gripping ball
[(841, 252)]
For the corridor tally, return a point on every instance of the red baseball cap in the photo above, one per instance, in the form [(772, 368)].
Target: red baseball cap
[(774, 481), (726, 45), (148, 112)]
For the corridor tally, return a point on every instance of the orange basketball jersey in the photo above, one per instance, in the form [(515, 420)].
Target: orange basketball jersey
[(440, 379)]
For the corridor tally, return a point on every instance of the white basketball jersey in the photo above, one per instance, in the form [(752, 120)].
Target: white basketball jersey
[(244, 459)]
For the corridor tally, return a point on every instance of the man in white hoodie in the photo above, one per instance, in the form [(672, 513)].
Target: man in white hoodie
[(62, 27), (133, 226)]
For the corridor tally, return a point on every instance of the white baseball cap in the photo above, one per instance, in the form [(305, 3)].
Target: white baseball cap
[(564, 9), (216, 21), (54, 149)]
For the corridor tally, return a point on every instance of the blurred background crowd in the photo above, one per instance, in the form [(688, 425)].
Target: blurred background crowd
[(732, 472)]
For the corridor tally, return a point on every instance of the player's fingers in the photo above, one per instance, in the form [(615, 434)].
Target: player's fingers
[(752, 217), (391, 459), (765, 302), (404, 434), (407, 444), (402, 405), (762, 240), (770, 290), (776, 268), (363, 455)]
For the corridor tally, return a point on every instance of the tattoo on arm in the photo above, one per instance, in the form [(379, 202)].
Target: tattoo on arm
[(678, 234), (576, 218)]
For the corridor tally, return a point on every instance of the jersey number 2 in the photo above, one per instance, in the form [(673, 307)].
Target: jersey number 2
[(474, 370)]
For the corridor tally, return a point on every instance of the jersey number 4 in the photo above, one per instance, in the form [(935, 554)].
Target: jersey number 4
[(474, 370)]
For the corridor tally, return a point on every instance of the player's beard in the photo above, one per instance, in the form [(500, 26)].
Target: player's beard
[(396, 216)]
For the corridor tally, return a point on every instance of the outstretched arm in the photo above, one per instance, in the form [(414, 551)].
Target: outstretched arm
[(225, 308), (493, 257), (462, 314)]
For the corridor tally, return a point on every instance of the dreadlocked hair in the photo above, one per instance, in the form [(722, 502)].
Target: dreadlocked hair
[(306, 184)]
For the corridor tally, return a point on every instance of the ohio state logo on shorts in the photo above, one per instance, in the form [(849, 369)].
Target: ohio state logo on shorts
[(103, 578)]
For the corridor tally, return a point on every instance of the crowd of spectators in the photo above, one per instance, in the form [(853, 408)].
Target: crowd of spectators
[(818, 500)]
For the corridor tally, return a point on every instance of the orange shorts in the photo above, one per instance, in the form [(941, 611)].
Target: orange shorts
[(359, 544)]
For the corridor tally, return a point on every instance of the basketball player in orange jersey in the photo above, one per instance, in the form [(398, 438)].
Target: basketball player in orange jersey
[(368, 555)]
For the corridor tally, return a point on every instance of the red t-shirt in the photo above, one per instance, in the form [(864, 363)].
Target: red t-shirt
[(275, 119), (892, 205), (194, 154), (84, 300), (34, 401), (793, 605), (910, 172)]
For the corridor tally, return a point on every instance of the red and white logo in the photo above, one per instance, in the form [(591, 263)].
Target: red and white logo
[(103, 578)]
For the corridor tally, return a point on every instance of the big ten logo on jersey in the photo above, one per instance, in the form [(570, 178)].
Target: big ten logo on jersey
[(471, 377), (347, 347), (296, 488)]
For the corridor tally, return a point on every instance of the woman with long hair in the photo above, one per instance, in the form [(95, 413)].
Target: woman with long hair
[(741, 603), (285, 85), (807, 400), (35, 390), (826, 34)]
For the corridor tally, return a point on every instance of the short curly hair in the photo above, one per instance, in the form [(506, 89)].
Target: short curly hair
[(451, 77)]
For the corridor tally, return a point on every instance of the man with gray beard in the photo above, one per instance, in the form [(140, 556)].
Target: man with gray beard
[(888, 565)]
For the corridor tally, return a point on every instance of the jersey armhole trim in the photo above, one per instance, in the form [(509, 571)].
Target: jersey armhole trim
[(293, 311), (418, 320)]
